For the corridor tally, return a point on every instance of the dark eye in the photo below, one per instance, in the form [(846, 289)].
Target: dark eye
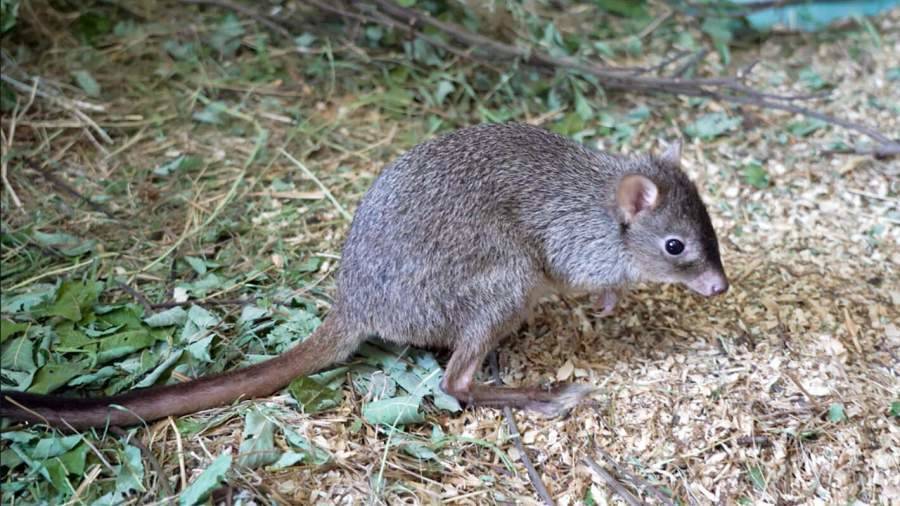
[(674, 247)]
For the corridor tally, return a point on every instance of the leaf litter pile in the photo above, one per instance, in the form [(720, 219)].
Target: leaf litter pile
[(174, 199)]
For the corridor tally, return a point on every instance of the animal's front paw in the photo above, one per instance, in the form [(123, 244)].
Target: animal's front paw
[(607, 301)]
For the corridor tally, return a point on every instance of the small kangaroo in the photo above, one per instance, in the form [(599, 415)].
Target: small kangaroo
[(450, 247)]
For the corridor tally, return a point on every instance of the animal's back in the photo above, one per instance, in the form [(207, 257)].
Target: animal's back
[(447, 231)]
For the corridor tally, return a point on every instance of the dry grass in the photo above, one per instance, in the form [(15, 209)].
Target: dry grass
[(718, 401)]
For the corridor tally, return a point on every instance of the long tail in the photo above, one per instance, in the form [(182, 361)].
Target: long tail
[(322, 348)]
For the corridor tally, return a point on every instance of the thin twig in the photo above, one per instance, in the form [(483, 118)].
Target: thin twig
[(161, 476), (67, 103), (61, 270), (881, 152), (756, 441), (137, 295), (8, 142), (247, 11), (179, 447), (691, 63), (613, 483), (517, 439), (635, 479), (321, 185), (59, 184)]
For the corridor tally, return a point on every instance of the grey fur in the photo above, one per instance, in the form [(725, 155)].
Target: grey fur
[(458, 237)]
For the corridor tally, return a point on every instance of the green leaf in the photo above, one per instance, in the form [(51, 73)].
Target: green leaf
[(251, 313), (17, 380), (130, 475), (25, 302), (227, 37), (258, 445), (127, 29), (805, 127), (313, 396), (198, 264), (589, 498), (314, 454), (836, 413), (583, 108), (73, 301), (437, 434), (174, 316), (99, 376), (288, 459), (444, 88), (300, 324), (66, 244), (70, 337), (812, 79), (211, 114), (711, 125), (73, 460), (569, 125), (757, 477), (184, 162), (123, 343), (893, 74), (720, 30), (304, 40), (406, 3), (199, 349), (55, 473), (87, 83), (126, 317), (624, 8), (895, 408), (431, 373), (178, 50), (207, 481), (18, 355), (7, 95), (419, 451), (10, 460), (9, 328), (18, 436), (381, 386), (198, 320), (755, 175), (395, 411), (90, 26), (52, 376), (153, 376), (54, 446), (9, 11)]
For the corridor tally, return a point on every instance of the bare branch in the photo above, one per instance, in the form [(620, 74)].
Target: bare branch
[(613, 483), (517, 440), (729, 89)]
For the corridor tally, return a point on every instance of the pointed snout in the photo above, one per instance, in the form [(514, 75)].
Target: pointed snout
[(709, 283)]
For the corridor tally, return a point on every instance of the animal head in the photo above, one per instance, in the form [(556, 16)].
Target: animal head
[(665, 227)]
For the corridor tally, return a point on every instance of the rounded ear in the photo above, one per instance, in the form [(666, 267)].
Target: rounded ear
[(672, 155), (636, 194)]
